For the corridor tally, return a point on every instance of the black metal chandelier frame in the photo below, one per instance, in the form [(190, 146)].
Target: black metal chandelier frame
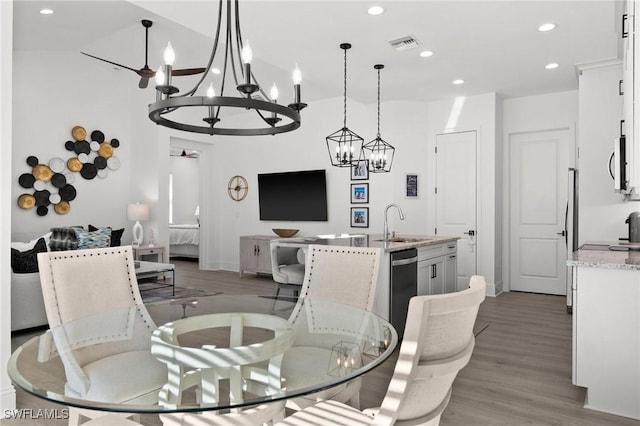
[(378, 153), (344, 140), (268, 110)]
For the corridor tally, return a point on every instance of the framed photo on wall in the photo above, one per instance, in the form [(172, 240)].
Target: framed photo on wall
[(359, 193), (411, 185), (360, 170), (359, 217)]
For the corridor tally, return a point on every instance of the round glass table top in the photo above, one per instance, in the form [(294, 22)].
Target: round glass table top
[(205, 353)]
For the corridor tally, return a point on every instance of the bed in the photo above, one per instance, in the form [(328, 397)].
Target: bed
[(184, 241)]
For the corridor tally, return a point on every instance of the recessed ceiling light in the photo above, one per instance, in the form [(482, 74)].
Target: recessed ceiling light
[(426, 53), (551, 66), (215, 70), (458, 82), (375, 10), (46, 11), (546, 27)]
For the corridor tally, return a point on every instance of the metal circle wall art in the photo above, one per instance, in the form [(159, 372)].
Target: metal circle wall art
[(51, 183)]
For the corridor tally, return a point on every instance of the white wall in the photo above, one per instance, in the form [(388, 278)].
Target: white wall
[(7, 392), (44, 114), (602, 212), (186, 188), (527, 114)]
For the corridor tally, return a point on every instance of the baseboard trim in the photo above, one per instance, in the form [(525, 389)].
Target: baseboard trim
[(494, 289), (7, 399)]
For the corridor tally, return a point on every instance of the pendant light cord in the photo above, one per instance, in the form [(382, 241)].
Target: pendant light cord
[(378, 134), (345, 89)]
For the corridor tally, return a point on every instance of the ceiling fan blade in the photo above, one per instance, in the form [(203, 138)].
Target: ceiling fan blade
[(110, 62), (144, 82), (188, 71)]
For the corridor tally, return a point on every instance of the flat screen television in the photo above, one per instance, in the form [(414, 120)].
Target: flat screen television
[(300, 196)]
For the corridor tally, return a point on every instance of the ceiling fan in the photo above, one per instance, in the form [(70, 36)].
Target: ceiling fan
[(145, 72), (185, 154)]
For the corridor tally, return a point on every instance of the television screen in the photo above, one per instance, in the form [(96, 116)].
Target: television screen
[(293, 195)]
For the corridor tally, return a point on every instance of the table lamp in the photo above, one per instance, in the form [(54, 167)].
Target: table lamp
[(197, 214), (137, 212)]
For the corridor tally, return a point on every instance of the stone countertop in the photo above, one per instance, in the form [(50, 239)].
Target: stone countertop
[(370, 240), (606, 259)]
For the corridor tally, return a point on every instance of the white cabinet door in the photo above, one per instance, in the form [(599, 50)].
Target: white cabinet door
[(436, 275), (424, 269), (450, 272)]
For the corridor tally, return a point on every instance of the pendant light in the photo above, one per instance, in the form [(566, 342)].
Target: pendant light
[(264, 115), (343, 143), (378, 153)]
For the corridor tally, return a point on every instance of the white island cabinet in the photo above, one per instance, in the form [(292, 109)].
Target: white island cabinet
[(437, 269), (606, 330)]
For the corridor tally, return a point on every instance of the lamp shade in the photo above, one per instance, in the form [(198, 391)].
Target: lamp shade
[(197, 212), (138, 211)]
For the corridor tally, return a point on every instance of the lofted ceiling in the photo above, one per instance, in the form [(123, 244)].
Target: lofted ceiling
[(494, 46)]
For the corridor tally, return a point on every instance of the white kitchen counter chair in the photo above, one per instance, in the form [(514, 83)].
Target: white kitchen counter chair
[(346, 275), (286, 268), (99, 284), (437, 344)]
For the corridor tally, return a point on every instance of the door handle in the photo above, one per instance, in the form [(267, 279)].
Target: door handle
[(562, 233), (470, 232)]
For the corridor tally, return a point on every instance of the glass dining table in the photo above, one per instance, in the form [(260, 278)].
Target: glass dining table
[(199, 354)]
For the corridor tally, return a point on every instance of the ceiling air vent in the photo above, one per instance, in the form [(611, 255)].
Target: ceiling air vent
[(404, 43)]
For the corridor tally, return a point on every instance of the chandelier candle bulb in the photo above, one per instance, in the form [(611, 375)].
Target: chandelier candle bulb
[(247, 57), (169, 59), (159, 82), (169, 55), (297, 78), (210, 94)]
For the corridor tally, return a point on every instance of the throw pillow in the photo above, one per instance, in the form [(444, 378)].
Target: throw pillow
[(93, 239), (116, 235), (20, 246), (26, 262), (63, 239)]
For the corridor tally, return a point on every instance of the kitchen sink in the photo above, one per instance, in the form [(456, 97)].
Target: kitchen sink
[(404, 240)]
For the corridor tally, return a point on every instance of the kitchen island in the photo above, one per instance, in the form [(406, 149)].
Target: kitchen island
[(606, 329), (425, 265)]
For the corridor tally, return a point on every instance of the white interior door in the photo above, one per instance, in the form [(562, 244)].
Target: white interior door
[(538, 200), (456, 193)]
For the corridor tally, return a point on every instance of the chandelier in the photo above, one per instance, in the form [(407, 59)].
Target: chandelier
[(269, 118), (378, 153), (342, 143)]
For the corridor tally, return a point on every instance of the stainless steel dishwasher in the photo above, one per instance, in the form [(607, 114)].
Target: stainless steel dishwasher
[(404, 285)]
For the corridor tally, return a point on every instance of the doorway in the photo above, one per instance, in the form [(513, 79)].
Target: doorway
[(538, 164), (190, 193), (456, 198)]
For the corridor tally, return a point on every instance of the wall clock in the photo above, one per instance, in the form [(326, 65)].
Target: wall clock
[(237, 188)]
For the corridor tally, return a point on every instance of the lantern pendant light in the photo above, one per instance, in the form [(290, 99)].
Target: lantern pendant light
[(344, 145), (378, 153)]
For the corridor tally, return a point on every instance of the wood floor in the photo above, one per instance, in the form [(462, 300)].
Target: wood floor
[(519, 374)]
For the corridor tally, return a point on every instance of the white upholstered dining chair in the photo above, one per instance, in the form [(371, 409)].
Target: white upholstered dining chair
[(91, 297), (346, 275), (437, 344)]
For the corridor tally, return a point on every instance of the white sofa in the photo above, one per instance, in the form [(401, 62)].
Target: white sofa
[(27, 305)]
